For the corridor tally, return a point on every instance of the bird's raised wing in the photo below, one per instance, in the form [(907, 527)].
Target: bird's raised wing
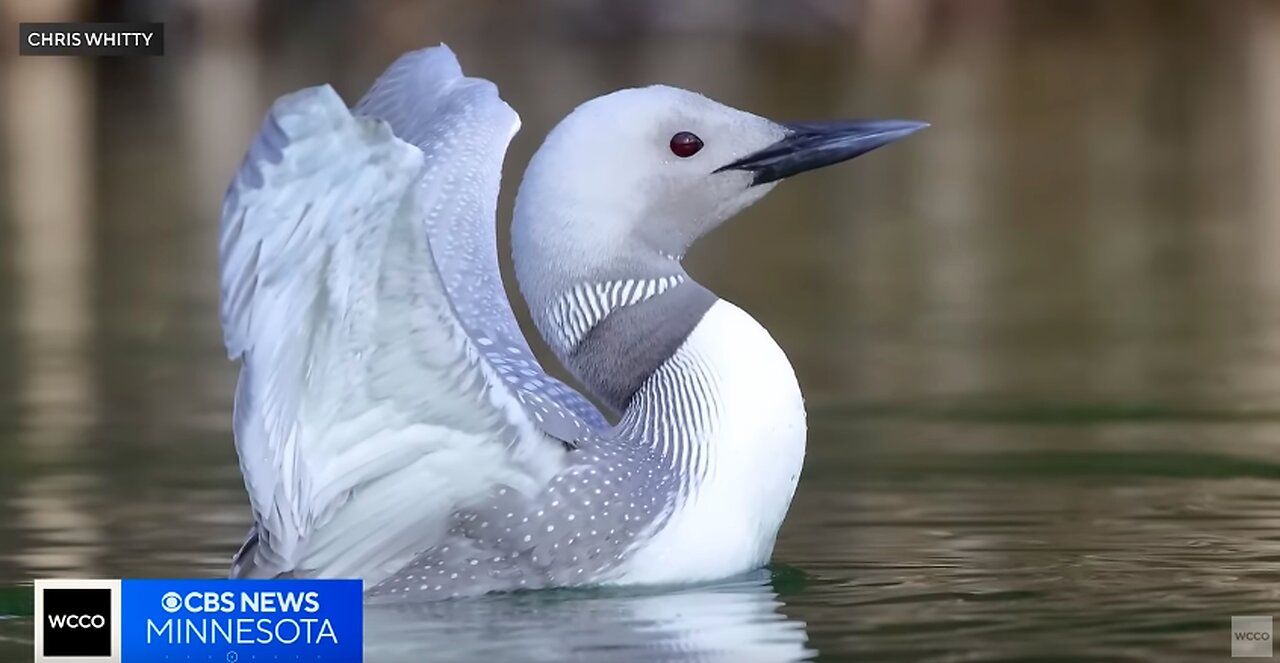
[(384, 381), (464, 243)]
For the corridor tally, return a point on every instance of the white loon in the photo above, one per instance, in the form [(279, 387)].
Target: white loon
[(391, 421)]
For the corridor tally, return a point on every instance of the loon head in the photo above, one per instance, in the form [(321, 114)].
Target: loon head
[(627, 182), (656, 168)]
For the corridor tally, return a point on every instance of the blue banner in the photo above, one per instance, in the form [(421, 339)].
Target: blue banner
[(241, 620)]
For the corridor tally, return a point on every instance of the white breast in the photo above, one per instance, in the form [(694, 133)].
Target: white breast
[(753, 452)]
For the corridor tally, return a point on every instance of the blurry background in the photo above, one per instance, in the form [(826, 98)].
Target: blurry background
[(1040, 341)]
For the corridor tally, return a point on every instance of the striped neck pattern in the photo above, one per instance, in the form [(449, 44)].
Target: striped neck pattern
[(676, 412), (580, 309)]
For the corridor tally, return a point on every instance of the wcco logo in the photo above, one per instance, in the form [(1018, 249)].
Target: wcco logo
[(77, 620), (1251, 637)]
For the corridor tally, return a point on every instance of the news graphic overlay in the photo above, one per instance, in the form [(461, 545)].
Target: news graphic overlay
[(242, 620), (91, 39), (77, 621), (1251, 636)]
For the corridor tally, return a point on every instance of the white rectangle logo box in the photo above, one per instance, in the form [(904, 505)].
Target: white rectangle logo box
[(41, 618), (1251, 637)]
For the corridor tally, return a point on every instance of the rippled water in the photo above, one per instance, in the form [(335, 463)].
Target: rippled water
[(1040, 342), (917, 535)]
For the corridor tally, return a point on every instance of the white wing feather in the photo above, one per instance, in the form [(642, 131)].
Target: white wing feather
[(460, 185), (365, 413)]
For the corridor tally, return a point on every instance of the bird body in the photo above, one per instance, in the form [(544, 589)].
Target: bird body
[(391, 420), (749, 452)]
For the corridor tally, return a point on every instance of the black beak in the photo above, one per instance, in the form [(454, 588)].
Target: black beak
[(816, 144)]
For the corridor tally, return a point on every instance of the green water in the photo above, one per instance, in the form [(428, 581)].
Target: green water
[(1040, 342)]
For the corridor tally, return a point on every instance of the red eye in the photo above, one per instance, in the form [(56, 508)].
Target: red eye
[(685, 144)]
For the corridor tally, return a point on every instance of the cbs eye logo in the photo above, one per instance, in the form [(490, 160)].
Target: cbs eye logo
[(171, 601), (75, 623)]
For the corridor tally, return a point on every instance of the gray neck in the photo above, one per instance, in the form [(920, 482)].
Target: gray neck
[(615, 332), (628, 345), (603, 285)]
